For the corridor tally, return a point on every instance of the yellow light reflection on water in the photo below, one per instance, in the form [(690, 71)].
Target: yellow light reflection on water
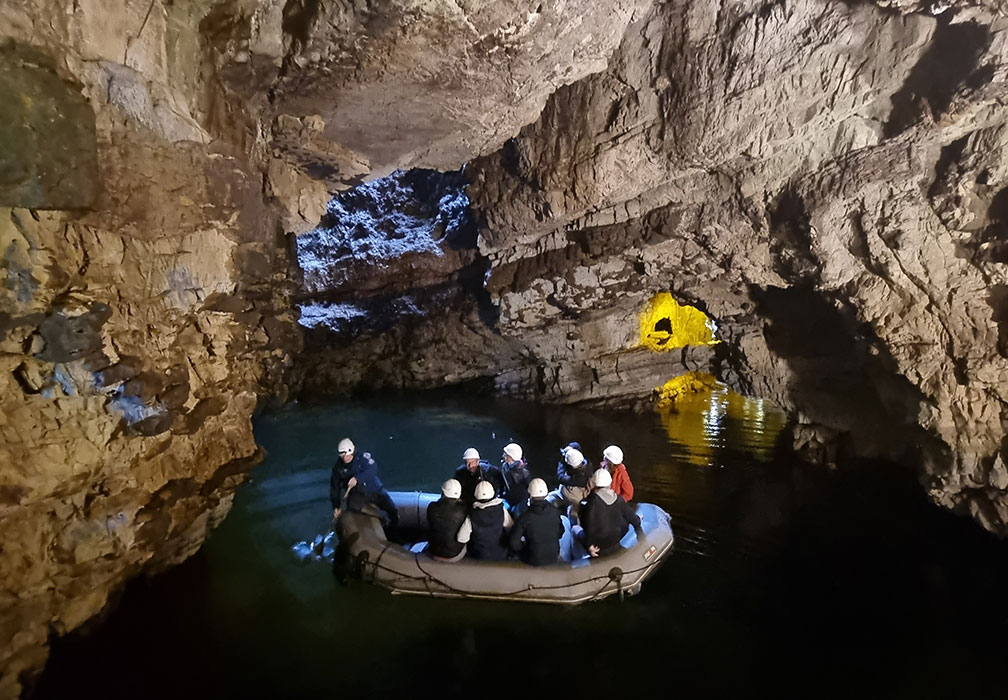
[(727, 418), (666, 324)]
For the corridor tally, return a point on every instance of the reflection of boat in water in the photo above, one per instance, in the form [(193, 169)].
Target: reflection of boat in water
[(575, 579)]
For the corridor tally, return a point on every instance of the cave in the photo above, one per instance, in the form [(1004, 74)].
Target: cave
[(761, 234)]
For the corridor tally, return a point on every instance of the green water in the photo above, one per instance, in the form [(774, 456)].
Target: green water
[(785, 577)]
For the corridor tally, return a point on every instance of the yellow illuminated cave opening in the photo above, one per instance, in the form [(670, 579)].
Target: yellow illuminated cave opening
[(666, 324), (725, 418)]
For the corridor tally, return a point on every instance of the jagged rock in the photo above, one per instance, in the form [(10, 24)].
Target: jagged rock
[(825, 180)]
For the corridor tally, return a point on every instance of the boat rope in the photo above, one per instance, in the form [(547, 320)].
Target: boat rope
[(615, 576)]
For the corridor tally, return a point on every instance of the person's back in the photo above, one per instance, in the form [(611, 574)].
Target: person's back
[(605, 516), (541, 528), (484, 528), (444, 518)]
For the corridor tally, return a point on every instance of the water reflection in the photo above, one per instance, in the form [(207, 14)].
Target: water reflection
[(727, 419)]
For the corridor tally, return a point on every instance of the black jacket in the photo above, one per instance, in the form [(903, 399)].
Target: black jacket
[(361, 466), (516, 482), (605, 517), (444, 517), (487, 538), (573, 476), (542, 528), (484, 472)]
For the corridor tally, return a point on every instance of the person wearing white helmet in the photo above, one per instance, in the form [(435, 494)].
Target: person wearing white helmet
[(612, 462), (514, 470), (444, 518), (486, 526), (474, 470), (573, 472), (354, 483), (537, 532), (605, 517)]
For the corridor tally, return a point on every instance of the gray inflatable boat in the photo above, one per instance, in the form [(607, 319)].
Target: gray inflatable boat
[(577, 578)]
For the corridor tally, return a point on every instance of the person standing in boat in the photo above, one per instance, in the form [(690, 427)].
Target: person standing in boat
[(612, 461), (486, 525), (474, 470), (537, 532), (605, 517), (516, 475), (573, 472), (354, 483), (444, 518)]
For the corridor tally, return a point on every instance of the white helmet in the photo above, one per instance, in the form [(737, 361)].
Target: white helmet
[(513, 450), (537, 488), (452, 489), (471, 453), (602, 479), (573, 457), (613, 454), (484, 491), (345, 446)]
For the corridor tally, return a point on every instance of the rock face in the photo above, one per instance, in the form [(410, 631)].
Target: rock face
[(826, 180), (156, 159)]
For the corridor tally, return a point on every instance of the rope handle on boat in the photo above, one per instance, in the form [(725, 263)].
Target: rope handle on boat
[(614, 576)]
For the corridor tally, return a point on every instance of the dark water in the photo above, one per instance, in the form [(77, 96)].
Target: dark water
[(785, 578)]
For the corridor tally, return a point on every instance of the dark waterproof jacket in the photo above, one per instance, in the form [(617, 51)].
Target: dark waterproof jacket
[(444, 518), (542, 529), (361, 466), (605, 518), (484, 472), (487, 538), (516, 482), (573, 476)]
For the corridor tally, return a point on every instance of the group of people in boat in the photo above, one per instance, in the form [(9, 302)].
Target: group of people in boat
[(495, 513)]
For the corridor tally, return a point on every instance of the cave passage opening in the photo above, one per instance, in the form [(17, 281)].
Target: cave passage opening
[(379, 245)]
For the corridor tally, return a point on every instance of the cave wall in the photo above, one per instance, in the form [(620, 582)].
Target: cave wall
[(825, 180), (156, 159)]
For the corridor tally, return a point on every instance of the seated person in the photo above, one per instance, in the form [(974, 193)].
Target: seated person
[(612, 461), (516, 475), (474, 470), (605, 517), (485, 527), (444, 518), (573, 472), (537, 532)]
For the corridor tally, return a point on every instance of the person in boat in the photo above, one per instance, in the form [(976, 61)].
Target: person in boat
[(537, 532), (474, 470), (517, 477), (485, 528), (573, 472), (612, 462), (354, 483), (605, 517), (444, 518)]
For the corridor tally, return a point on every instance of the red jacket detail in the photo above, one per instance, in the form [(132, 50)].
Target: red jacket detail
[(621, 483)]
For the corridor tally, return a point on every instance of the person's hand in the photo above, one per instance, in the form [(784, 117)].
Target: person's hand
[(351, 483), (593, 550), (335, 513)]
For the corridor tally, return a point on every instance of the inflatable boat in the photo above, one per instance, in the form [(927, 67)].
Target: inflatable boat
[(577, 578)]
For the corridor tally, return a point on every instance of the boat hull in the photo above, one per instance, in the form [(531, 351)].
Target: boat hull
[(573, 580)]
